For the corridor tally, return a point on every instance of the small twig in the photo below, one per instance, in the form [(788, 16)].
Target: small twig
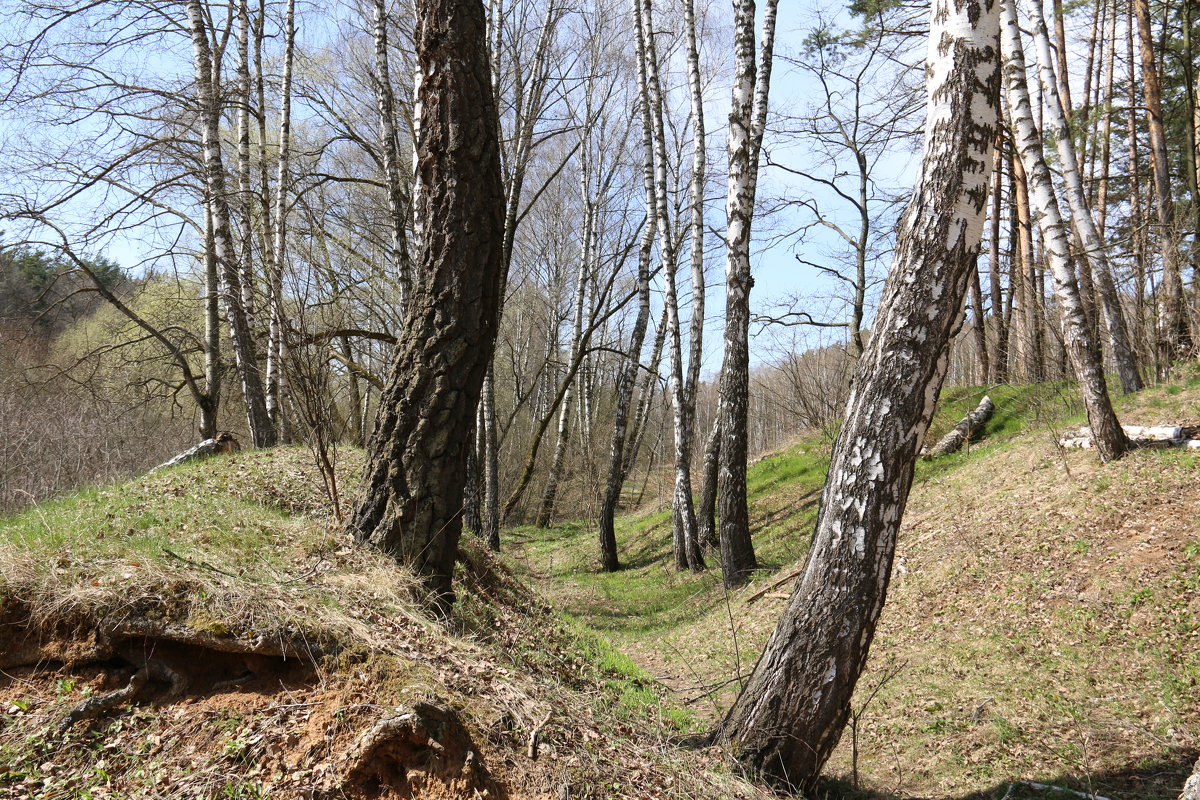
[(737, 653), (716, 687), (201, 564), (536, 734), (780, 582)]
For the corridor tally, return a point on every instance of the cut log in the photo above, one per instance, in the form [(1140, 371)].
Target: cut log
[(223, 442), (964, 430), (1141, 436), (1156, 433)]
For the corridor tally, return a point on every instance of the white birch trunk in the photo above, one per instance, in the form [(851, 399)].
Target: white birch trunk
[(747, 121), (683, 516), (1081, 213), (790, 715), (240, 333), (276, 344), (385, 100), (1084, 355), (696, 200)]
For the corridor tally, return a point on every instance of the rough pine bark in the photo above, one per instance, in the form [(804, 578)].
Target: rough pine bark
[(792, 711), (411, 502), (1077, 335)]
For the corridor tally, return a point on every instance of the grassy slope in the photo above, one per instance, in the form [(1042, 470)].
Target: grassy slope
[(1042, 623), (242, 547)]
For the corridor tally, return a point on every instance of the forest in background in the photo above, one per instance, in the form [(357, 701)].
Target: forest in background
[(288, 336)]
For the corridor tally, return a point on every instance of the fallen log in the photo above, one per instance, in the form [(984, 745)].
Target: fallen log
[(223, 442), (1140, 436), (967, 427)]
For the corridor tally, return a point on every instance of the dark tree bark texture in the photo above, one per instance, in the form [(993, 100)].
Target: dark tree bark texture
[(792, 711), (411, 503)]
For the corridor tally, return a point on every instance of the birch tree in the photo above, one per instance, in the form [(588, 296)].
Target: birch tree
[(1106, 430), (241, 334), (683, 515), (1082, 220), (747, 122), (791, 713)]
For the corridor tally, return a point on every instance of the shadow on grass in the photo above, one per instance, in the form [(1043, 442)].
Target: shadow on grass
[(1161, 778)]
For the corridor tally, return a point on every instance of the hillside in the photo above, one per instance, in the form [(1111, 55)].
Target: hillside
[(208, 632), (1042, 624)]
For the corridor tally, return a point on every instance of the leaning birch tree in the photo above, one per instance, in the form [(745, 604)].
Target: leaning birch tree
[(1081, 213), (791, 713), (1077, 334), (650, 94)]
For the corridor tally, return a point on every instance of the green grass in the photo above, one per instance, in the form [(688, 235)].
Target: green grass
[(647, 597), (1014, 665), (240, 545)]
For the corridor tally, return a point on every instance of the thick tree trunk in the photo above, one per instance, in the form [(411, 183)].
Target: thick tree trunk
[(1084, 225), (528, 109), (411, 503), (1077, 336), (792, 711), (747, 121)]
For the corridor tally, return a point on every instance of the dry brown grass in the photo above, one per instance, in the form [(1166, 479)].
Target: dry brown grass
[(241, 549)]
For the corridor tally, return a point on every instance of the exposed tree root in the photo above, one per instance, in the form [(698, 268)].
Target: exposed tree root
[(423, 750), (167, 659), (98, 706)]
